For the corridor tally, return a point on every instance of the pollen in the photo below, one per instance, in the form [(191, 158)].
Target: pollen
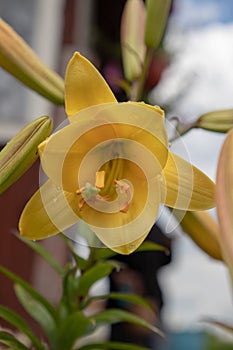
[(99, 179)]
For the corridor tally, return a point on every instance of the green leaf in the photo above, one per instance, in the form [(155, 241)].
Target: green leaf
[(10, 341), (38, 312), (34, 294), (72, 328), (126, 297), (100, 270), (45, 254), (112, 346), (104, 253), (113, 316), (68, 301), (13, 343), (80, 261), (18, 322)]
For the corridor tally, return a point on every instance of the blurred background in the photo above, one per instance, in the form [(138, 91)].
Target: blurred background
[(193, 77)]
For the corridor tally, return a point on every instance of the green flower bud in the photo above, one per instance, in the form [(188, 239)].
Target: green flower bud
[(220, 120), (21, 152), (156, 19), (17, 58), (132, 38)]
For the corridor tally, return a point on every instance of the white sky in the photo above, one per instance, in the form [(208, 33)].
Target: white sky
[(201, 71), (194, 285)]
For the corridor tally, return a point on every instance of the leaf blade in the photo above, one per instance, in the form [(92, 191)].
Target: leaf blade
[(37, 311), (72, 328), (44, 254), (112, 346), (29, 289), (9, 340), (113, 316), (17, 321), (126, 297), (98, 271)]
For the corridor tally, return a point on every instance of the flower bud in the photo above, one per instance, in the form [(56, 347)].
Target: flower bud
[(21, 152), (204, 231), (156, 19), (132, 38), (18, 59), (224, 199), (219, 121)]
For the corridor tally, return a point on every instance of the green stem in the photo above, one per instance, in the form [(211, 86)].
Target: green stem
[(141, 84), (182, 129), (91, 259)]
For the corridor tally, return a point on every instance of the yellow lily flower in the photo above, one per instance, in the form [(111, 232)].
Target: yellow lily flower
[(110, 167)]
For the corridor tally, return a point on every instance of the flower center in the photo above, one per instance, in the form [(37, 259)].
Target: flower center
[(107, 195)]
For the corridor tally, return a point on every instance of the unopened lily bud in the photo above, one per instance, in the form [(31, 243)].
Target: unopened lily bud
[(21, 152), (132, 38), (156, 19), (224, 199), (219, 121), (204, 231), (17, 58)]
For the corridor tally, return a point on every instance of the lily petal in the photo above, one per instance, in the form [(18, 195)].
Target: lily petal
[(102, 133), (84, 86), (92, 239), (130, 247), (185, 187), (47, 213)]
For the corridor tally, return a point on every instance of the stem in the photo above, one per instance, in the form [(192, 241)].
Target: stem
[(182, 129), (142, 79)]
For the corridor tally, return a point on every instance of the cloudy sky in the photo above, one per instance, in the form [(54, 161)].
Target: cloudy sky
[(200, 79)]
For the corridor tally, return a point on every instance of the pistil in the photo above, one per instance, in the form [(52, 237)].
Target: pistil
[(107, 188)]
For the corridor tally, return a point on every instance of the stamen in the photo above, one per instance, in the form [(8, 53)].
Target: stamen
[(124, 188), (122, 185), (81, 190), (99, 179), (81, 203), (124, 208)]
